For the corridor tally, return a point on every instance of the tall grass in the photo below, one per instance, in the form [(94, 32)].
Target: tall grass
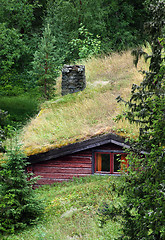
[(75, 210), (81, 115), (20, 108)]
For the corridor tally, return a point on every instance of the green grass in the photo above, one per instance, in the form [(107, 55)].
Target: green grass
[(74, 210), (20, 108), (79, 116)]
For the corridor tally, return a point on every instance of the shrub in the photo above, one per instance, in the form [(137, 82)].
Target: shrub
[(86, 45), (18, 204), (144, 185)]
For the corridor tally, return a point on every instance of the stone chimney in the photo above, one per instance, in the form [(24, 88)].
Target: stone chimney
[(73, 79)]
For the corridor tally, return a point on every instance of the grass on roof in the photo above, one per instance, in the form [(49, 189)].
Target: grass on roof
[(79, 116)]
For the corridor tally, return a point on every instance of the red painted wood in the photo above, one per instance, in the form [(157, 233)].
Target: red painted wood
[(75, 156), (64, 162), (69, 160), (66, 165), (83, 154), (80, 154), (59, 175), (49, 181), (65, 168), (60, 170)]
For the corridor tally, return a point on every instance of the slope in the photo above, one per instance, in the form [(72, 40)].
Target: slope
[(78, 209), (79, 116)]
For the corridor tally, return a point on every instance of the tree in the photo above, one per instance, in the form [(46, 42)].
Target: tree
[(3, 116), (11, 48), (86, 45), (21, 25), (17, 43), (115, 21), (18, 204), (144, 185), (46, 63)]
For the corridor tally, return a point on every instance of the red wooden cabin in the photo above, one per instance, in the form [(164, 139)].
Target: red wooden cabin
[(98, 155)]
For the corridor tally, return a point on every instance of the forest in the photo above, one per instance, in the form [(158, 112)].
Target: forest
[(35, 32), (37, 37)]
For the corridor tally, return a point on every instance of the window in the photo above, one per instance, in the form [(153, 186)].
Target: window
[(110, 162)]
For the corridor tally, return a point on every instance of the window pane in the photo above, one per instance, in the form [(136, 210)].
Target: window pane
[(102, 162), (117, 159), (105, 162), (98, 162)]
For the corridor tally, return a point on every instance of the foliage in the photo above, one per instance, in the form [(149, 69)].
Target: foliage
[(16, 45), (59, 29), (11, 48), (18, 205), (20, 108), (71, 210), (46, 63), (21, 25), (13, 83), (144, 186), (18, 14), (3, 116), (115, 21), (86, 45)]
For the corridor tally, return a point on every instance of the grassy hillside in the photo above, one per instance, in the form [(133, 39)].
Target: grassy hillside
[(19, 108), (76, 210), (82, 115)]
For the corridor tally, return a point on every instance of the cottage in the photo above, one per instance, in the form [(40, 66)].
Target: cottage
[(98, 155), (53, 139)]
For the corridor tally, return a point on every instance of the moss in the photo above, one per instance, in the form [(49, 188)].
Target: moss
[(76, 117), (64, 142)]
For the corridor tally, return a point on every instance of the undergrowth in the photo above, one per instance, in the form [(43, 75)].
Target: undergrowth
[(76, 210), (20, 108)]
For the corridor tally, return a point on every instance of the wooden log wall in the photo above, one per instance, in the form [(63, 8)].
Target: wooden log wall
[(63, 168)]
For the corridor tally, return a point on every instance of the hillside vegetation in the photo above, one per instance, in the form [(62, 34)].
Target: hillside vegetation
[(79, 209), (81, 115)]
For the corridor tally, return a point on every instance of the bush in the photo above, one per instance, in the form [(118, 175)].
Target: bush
[(18, 204), (144, 185), (86, 45)]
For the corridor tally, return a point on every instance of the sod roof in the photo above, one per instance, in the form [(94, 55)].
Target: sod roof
[(80, 116)]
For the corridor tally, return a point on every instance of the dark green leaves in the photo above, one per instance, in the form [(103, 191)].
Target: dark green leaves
[(144, 185), (18, 204)]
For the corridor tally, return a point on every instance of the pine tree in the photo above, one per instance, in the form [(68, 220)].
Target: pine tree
[(18, 203), (46, 63)]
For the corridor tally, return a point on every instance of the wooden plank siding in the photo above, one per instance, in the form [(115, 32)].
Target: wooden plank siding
[(63, 168), (74, 160)]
